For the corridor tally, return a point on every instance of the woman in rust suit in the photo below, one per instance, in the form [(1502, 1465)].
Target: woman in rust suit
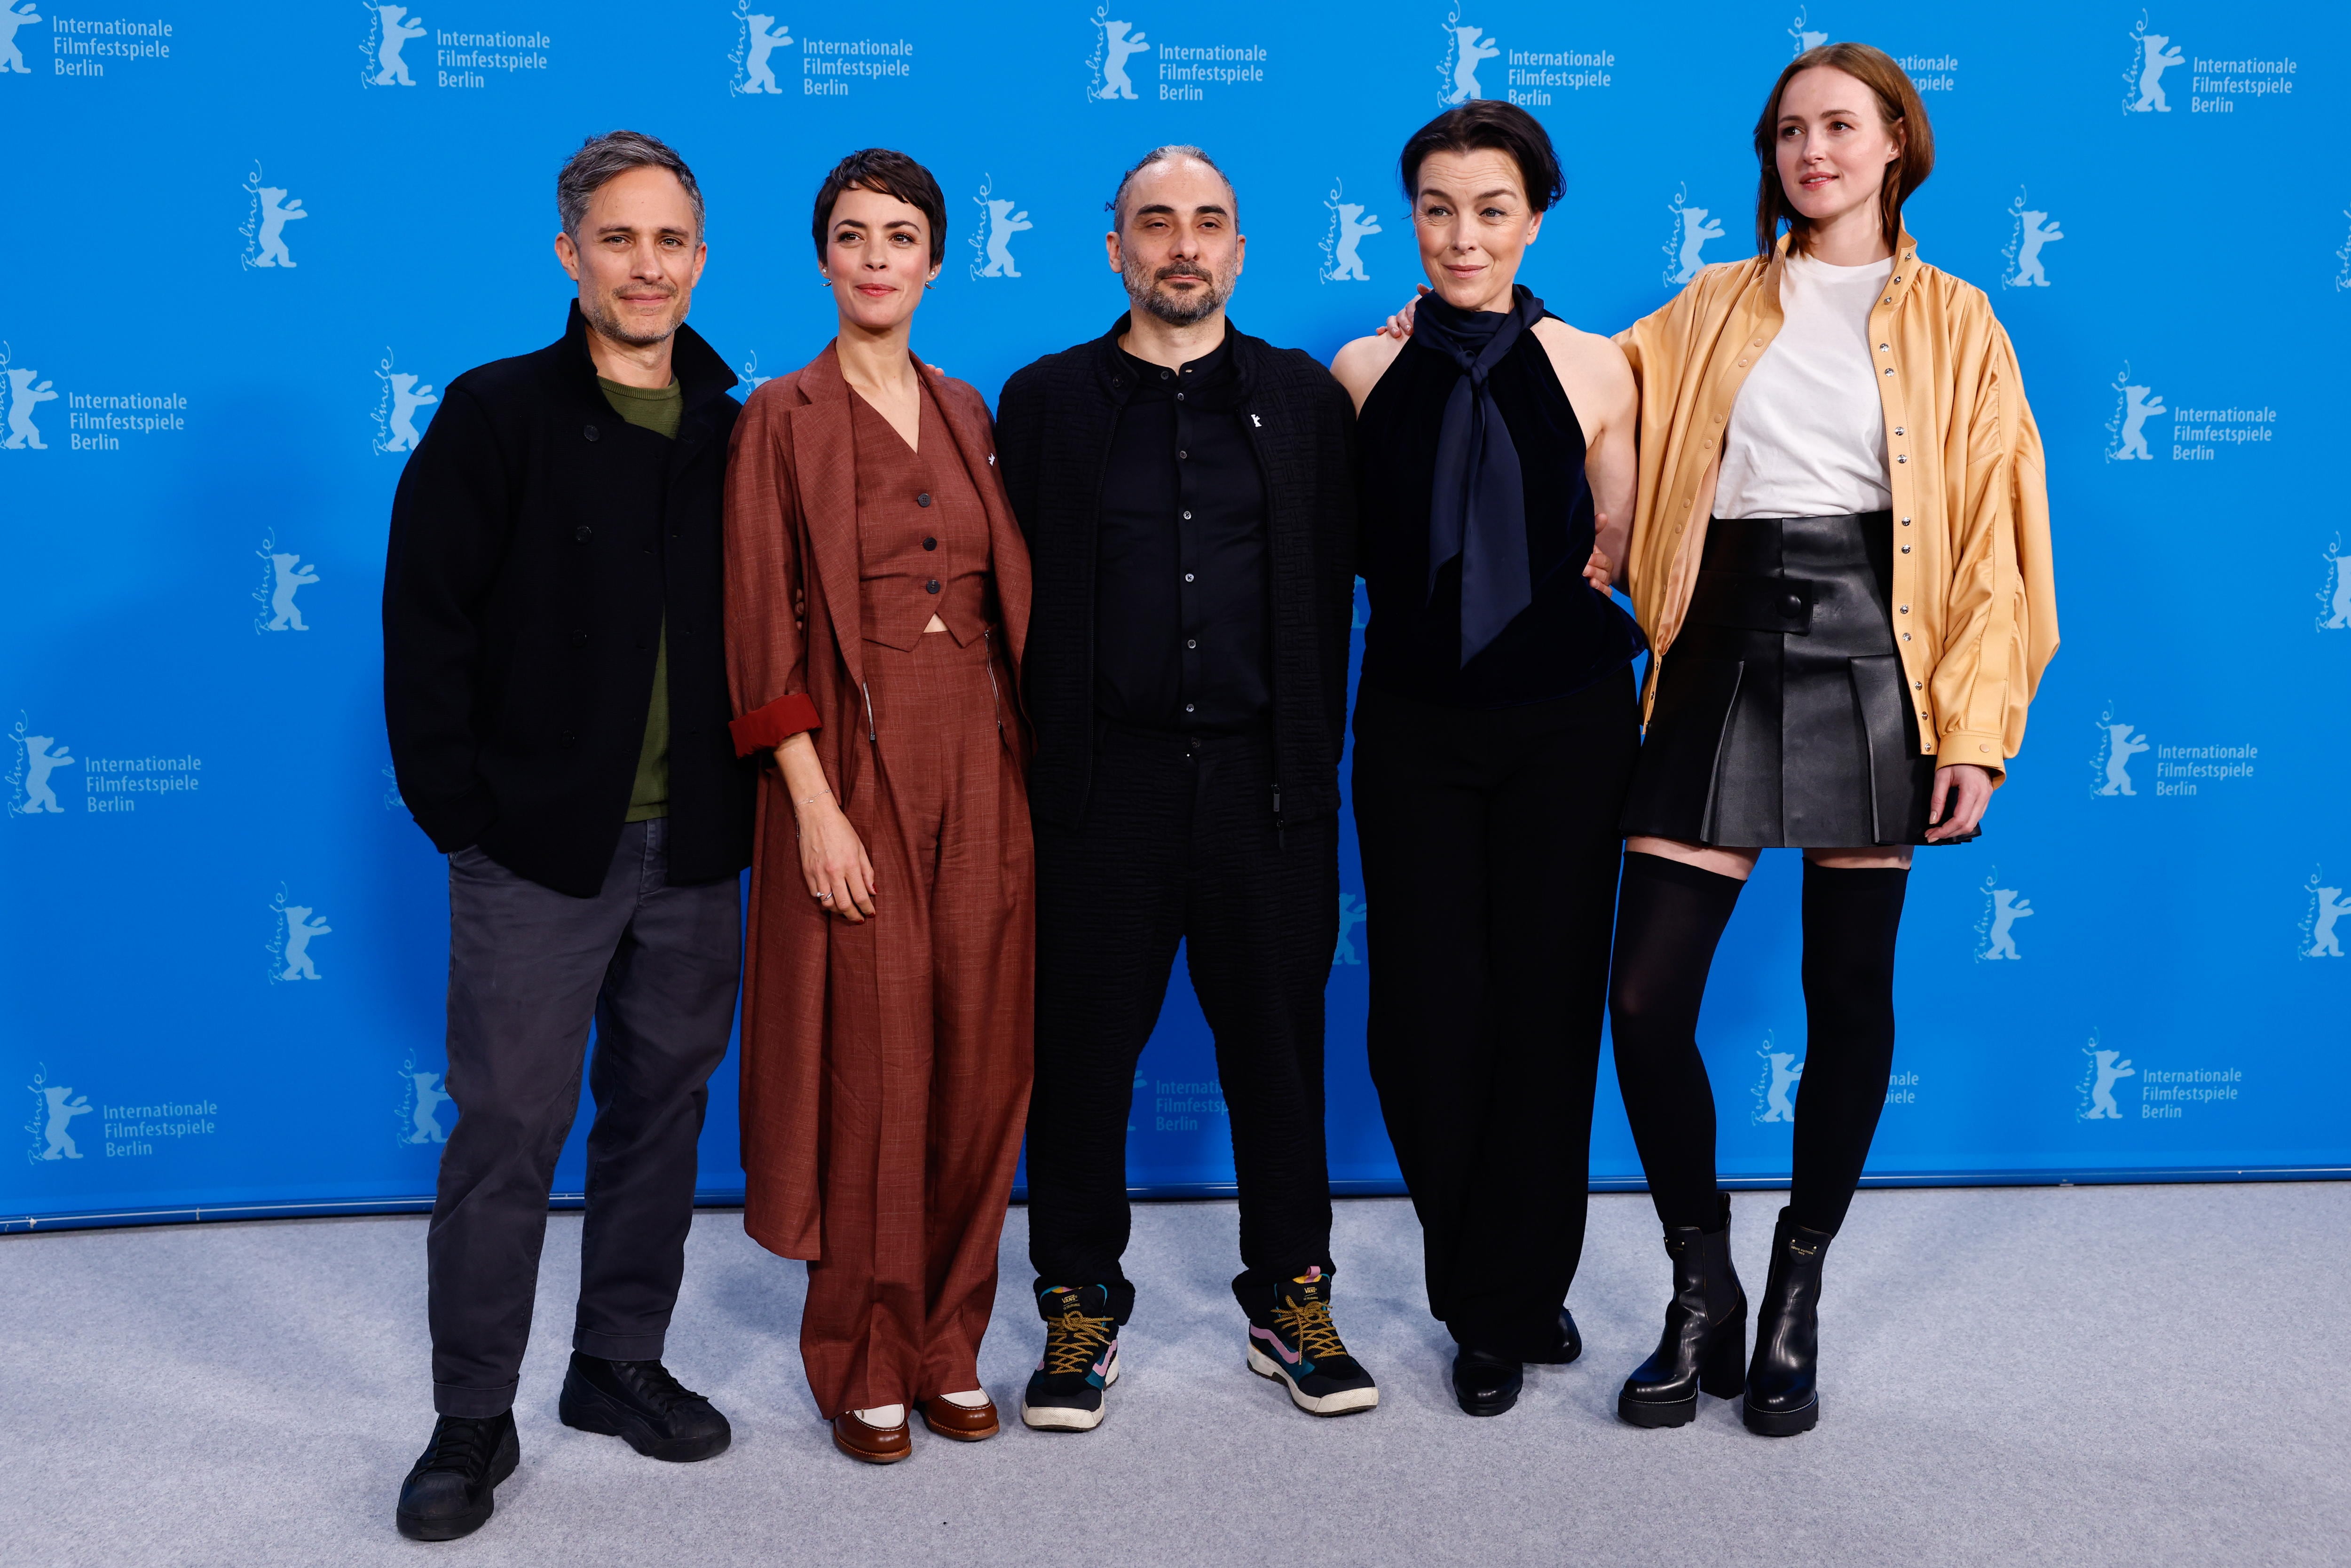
[(877, 595)]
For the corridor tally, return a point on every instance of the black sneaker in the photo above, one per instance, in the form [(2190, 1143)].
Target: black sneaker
[(1295, 1342), (640, 1402), (450, 1491), (1066, 1392)]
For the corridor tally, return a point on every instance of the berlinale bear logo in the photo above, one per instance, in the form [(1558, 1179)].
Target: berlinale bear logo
[(62, 1105), (12, 59), (390, 30), (2003, 907), (2106, 1068), (284, 574), (26, 392), (761, 36), (37, 757), (396, 405), (992, 243), (1466, 48), (2328, 906), (2030, 230), (2151, 56), (2134, 405), (1692, 228), (1773, 1086), (290, 946), (1117, 43), (2117, 744), (1343, 257)]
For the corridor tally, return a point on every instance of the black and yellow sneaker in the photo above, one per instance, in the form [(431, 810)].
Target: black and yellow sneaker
[(1067, 1393), (1292, 1340)]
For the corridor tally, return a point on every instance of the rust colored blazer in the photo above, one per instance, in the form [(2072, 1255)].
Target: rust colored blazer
[(792, 532)]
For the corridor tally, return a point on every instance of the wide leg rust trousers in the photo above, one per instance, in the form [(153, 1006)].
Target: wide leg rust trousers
[(931, 1008)]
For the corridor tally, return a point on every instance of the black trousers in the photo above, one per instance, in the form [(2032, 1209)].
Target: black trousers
[(1178, 845), (656, 967), (1490, 845)]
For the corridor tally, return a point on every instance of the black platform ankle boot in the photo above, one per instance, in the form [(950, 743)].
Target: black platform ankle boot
[(1705, 1332), (1782, 1396)]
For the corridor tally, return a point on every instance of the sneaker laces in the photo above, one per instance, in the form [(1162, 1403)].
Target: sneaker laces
[(1308, 1320), (651, 1381), (1073, 1341), (460, 1443)]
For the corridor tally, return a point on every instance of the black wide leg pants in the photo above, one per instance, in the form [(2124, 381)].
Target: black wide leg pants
[(1490, 844), (1178, 845)]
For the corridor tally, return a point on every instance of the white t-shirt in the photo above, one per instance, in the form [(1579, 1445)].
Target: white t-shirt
[(1807, 435)]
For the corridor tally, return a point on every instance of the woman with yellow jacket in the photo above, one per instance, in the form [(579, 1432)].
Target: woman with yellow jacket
[(1840, 554)]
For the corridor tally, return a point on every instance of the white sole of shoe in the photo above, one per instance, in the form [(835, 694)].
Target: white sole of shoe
[(1344, 1403), (1062, 1419)]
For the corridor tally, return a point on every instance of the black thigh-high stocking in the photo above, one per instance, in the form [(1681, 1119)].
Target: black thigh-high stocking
[(1669, 917), (1849, 921)]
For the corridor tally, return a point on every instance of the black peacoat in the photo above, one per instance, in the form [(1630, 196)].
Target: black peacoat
[(539, 544)]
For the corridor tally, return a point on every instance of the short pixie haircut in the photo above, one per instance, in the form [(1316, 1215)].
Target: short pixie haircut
[(1486, 123), (891, 174)]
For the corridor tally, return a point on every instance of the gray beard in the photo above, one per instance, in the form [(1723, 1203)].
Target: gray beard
[(603, 322), (1173, 309)]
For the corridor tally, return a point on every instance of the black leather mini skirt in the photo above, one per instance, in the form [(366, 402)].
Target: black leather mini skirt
[(1782, 718)]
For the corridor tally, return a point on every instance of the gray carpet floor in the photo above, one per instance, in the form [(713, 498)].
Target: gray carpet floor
[(2129, 1375)]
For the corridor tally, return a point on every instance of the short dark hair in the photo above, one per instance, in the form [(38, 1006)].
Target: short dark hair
[(1898, 105), (1491, 123), (889, 173), (606, 157), (1167, 154)]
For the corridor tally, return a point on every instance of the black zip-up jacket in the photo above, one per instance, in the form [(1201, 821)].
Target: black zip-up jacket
[(1053, 429), (538, 540)]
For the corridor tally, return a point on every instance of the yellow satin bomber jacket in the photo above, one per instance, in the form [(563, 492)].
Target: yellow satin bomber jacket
[(1975, 613)]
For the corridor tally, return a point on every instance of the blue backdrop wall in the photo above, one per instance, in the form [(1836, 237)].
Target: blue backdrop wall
[(251, 242)]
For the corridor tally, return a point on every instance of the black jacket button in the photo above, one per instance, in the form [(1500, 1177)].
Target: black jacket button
[(1792, 605), (570, 740), (924, 499), (584, 533), (930, 544), (579, 639), (931, 586), (589, 431)]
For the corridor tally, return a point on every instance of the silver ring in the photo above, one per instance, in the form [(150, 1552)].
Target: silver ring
[(824, 898)]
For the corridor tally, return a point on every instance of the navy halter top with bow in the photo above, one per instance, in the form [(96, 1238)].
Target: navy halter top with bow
[(1477, 602)]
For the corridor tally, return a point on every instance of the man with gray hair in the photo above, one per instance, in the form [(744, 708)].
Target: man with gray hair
[(555, 692), (1188, 496)]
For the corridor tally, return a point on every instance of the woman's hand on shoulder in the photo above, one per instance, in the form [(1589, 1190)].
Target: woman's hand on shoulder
[(1399, 326), (1359, 365)]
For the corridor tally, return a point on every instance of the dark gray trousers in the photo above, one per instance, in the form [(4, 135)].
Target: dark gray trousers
[(656, 967)]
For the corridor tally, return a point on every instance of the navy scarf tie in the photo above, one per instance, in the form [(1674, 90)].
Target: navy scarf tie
[(1476, 508)]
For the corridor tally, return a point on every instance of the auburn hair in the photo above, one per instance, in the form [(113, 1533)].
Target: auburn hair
[(1898, 107)]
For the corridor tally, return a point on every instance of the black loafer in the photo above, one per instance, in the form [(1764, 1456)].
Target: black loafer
[(1486, 1385), (640, 1403), (451, 1491)]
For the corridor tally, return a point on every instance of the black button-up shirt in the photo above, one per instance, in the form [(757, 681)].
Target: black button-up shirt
[(1180, 580)]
